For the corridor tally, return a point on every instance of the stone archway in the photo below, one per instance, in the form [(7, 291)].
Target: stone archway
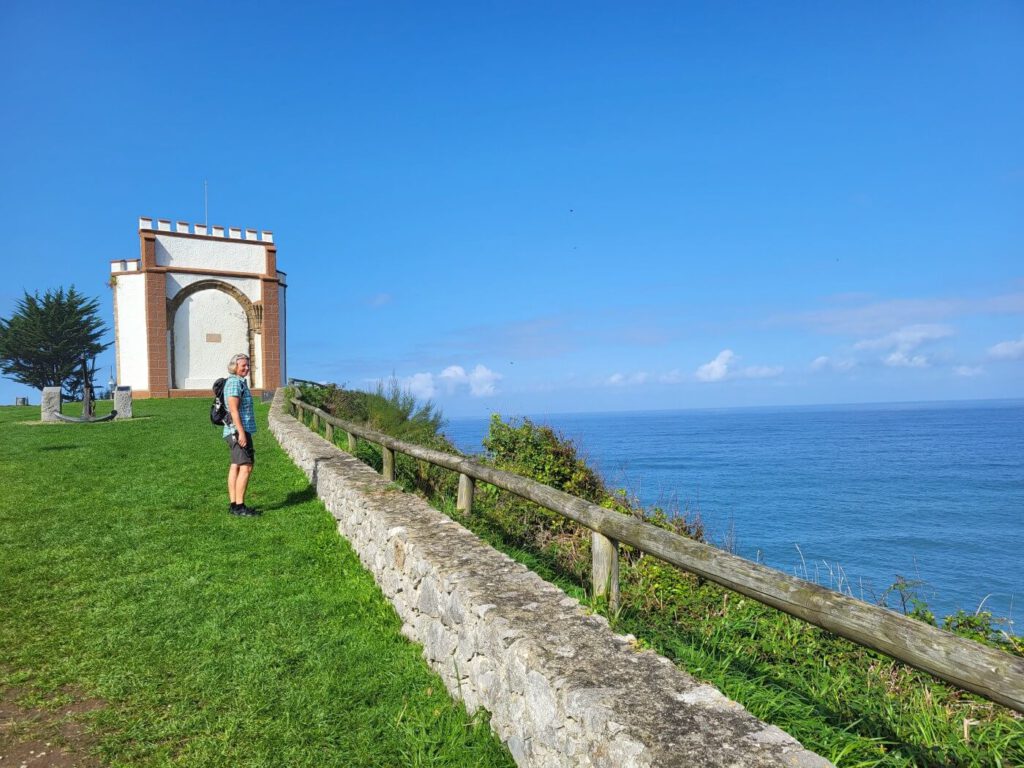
[(207, 322)]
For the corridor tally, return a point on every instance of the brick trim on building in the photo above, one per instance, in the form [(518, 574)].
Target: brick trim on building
[(156, 333), (271, 352)]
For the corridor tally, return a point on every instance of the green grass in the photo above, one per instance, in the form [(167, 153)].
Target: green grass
[(213, 640)]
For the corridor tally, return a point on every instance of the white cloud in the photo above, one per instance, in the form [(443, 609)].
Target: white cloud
[(452, 376), (968, 370), (724, 367), (902, 344), (480, 381), (717, 369), (672, 377), (761, 371), (906, 339), (420, 385), (622, 379), (903, 360), (1007, 350)]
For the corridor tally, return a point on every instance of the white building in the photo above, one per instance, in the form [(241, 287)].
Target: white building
[(197, 296)]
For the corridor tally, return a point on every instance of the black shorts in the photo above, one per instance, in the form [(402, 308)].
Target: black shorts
[(240, 455)]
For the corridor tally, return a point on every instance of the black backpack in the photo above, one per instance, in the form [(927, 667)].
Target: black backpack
[(219, 410)]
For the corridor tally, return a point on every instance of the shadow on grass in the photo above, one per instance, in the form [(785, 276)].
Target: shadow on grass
[(294, 498), (41, 423)]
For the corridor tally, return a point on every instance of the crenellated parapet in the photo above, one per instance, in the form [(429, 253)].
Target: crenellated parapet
[(125, 265), (204, 230)]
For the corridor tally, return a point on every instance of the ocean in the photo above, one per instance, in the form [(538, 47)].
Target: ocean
[(850, 496)]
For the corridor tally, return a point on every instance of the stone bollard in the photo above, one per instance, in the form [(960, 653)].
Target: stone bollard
[(123, 403), (50, 404)]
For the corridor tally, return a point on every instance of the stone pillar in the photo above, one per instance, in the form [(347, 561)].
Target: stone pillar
[(123, 403), (270, 328), (156, 313), (50, 404), (156, 334)]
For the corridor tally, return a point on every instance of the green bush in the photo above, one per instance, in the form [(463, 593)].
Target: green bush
[(536, 451), (977, 626), (540, 453), (394, 412)]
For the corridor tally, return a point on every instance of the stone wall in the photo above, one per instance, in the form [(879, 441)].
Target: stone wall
[(562, 688)]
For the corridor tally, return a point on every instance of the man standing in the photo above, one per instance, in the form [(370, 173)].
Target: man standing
[(238, 432)]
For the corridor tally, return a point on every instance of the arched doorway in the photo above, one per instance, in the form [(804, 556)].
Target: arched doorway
[(209, 321)]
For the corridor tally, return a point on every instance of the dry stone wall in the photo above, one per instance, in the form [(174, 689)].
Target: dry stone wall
[(561, 687)]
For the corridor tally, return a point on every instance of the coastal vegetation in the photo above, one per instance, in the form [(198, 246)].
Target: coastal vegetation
[(852, 705), (47, 338), (177, 634)]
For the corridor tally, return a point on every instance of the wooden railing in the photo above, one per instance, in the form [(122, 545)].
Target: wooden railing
[(970, 665)]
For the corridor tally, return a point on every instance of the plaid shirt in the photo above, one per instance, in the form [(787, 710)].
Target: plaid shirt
[(235, 386)]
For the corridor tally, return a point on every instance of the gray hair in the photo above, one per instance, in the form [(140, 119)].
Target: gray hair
[(233, 362)]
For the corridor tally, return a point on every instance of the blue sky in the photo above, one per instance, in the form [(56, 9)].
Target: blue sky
[(533, 208)]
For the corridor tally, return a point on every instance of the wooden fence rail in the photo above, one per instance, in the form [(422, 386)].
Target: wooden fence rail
[(970, 665)]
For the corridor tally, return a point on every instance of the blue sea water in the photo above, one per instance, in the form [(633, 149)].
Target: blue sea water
[(849, 496)]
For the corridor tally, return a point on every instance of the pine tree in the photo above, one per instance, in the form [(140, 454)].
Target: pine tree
[(44, 343)]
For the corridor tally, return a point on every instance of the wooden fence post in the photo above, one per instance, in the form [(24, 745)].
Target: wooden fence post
[(352, 442), (467, 485), (316, 421), (605, 568), (330, 432), (389, 463)]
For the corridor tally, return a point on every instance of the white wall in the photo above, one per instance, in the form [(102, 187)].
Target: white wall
[(249, 286), (229, 255), (199, 358), (256, 364), (132, 350)]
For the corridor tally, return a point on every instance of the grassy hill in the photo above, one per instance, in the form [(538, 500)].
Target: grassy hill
[(198, 638)]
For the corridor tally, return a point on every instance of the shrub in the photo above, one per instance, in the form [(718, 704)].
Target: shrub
[(394, 412), (539, 452)]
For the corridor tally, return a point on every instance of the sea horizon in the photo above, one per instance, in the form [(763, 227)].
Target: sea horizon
[(868, 404)]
